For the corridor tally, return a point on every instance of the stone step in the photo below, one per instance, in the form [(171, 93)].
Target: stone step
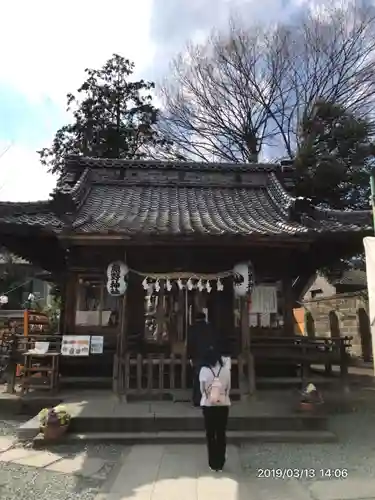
[(234, 437), (194, 423), (191, 425)]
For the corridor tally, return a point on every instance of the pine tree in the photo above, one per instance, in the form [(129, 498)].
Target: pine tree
[(113, 118), (335, 158)]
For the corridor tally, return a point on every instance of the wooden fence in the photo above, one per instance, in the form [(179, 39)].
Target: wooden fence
[(171, 374), (159, 374)]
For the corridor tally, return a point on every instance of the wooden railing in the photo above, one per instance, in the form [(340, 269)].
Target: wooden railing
[(304, 351), (158, 374)]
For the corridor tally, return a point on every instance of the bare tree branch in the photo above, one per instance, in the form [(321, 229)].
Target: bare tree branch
[(251, 87)]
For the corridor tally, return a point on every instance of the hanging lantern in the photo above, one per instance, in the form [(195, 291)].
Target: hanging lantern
[(145, 284), (157, 286), (219, 285), (168, 285), (117, 274), (200, 286), (208, 286), (180, 284), (189, 284), (243, 278)]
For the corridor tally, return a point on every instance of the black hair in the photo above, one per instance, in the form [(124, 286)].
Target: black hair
[(211, 357)]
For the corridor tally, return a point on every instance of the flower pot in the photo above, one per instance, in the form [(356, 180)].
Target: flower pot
[(54, 432), (311, 406), (307, 406)]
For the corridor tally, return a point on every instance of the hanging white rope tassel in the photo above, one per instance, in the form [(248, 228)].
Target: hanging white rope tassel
[(157, 286), (179, 284), (208, 286), (200, 286), (168, 285), (145, 284), (189, 284), (219, 285)]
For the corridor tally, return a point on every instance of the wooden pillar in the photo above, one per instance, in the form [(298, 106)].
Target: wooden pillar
[(119, 383), (247, 384), (120, 372), (62, 283), (11, 371), (288, 301), (70, 295), (245, 324)]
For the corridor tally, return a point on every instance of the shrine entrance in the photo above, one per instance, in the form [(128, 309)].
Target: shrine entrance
[(159, 316), (156, 359), (170, 311)]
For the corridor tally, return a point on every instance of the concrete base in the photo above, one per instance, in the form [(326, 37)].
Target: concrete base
[(103, 416)]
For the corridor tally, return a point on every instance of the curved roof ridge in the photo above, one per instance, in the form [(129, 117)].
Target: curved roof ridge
[(13, 207), (83, 161), (344, 215)]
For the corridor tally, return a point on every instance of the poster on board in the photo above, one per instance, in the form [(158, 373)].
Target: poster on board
[(75, 345), (96, 346)]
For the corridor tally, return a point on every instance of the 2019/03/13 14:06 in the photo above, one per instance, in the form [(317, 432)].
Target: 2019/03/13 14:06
[(267, 473)]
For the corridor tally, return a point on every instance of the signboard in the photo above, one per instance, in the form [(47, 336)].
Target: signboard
[(96, 345), (75, 345)]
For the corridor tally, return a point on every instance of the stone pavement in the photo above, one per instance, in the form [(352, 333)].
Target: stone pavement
[(175, 472), (180, 472), (80, 464)]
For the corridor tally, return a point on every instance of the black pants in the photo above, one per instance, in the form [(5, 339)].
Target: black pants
[(196, 385), (215, 422)]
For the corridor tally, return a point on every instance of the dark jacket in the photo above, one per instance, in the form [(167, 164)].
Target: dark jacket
[(201, 337)]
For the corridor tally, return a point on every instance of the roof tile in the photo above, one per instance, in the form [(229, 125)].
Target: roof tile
[(203, 199)]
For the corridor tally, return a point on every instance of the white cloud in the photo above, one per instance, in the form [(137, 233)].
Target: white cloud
[(47, 45), (22, 177), (45, 48)]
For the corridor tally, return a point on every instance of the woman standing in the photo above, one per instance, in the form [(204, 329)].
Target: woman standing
[(215, 380)]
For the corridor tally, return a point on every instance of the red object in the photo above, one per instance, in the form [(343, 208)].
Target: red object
[(308, 406)]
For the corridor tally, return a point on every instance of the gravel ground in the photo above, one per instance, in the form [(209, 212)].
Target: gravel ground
[(355, 451), (28, 483), (21, 483)]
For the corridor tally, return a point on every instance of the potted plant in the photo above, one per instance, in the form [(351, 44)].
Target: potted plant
[(54, 422), (311, 398)]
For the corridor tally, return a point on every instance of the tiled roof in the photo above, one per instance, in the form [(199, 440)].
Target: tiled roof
[(353, 277), (181, 198), (182, 210), (39, 214)]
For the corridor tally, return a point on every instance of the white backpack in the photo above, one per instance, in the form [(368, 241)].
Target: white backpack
[(215, 392)]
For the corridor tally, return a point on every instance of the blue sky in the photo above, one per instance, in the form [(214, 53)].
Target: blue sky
[(47, 45)]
